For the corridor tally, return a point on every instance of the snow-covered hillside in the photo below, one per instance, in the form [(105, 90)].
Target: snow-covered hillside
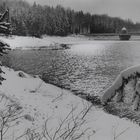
[(41, 102)]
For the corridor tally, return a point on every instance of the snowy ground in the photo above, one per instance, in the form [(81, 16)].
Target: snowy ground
[(46, 41), (43, 102)]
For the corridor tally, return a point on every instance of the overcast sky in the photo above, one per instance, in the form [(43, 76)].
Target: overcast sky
[(120, 8)]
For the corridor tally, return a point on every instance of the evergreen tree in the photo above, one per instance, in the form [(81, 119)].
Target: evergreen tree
[(37, 20), (5, 28)]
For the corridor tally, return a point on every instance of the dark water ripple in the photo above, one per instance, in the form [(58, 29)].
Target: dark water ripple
[(86, 68)]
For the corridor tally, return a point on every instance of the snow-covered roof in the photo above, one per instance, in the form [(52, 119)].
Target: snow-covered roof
[(124, 29)]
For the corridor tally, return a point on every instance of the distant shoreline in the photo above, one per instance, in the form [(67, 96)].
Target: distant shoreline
[(56, 42)]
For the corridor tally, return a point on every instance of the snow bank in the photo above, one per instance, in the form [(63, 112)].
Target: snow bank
[(41, 101), (119, 81), (25, 42), (21, 42)]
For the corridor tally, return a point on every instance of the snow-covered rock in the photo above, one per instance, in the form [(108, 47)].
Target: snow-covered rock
[(125, 74)]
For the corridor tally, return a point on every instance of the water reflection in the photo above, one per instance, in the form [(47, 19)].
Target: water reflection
[(87, 68)]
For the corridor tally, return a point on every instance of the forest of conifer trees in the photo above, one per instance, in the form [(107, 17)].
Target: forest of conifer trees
[(37, 20)]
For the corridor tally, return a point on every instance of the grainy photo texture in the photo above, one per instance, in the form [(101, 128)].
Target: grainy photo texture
[(69, 70)]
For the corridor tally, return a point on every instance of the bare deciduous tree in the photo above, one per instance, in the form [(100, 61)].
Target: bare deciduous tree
[(9, 114), (70, 128)]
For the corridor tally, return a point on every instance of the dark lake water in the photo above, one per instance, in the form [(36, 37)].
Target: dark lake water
[(86, 68)]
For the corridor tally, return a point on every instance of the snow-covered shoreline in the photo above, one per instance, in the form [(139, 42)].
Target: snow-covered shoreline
[(46, 41), (49, 42), (41, 101)]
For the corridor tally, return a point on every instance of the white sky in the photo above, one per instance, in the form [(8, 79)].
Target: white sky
[(120, 8)]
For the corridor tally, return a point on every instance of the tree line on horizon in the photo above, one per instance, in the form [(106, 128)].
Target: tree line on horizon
[(37, 20)]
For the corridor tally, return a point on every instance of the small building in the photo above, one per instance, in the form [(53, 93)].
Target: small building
[(124, 30), (124, 34)]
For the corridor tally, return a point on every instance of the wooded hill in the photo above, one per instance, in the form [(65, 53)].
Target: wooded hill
[(37, 20)]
